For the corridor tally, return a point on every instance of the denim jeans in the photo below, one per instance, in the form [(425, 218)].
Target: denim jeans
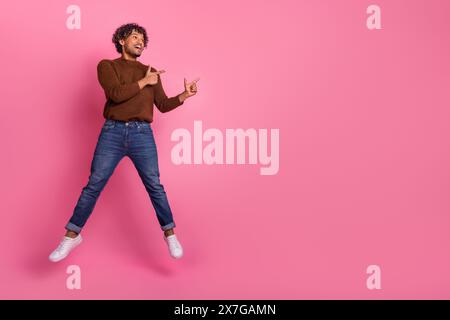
[(118, 139)]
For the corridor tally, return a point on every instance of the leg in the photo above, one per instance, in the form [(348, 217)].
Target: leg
[(169, 232), (71, 234), (109, 151), (143, 154)]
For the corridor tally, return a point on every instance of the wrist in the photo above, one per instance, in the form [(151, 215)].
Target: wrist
[(183, 96), (143, 82)]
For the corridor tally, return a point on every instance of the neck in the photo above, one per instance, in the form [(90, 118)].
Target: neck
[(126, 56)]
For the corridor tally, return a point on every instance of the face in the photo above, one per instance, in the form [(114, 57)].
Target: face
[(133, 44)]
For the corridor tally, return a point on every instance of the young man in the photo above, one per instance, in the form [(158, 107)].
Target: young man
[(131, 88)]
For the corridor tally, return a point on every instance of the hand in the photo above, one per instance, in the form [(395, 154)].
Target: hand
[(152, 77), (190, 88)]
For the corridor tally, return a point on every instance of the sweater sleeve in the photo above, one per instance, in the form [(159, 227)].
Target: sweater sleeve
[(162, 102), (110, 83)]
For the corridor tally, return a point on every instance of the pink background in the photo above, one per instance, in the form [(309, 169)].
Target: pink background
[(364, 172)]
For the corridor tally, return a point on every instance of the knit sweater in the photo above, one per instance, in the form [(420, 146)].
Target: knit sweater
[(124, 99)]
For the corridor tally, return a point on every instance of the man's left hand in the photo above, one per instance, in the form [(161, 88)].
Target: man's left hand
[(190, 88)]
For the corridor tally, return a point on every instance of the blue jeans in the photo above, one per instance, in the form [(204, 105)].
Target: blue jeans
[(118, 139)]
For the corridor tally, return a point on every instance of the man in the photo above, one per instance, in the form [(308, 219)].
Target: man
[(131, 88)]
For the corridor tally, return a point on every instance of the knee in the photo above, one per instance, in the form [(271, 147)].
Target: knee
[(97, 180), (153, 182)]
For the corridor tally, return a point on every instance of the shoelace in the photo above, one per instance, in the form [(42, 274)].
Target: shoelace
[(63, 245), (174, 242)]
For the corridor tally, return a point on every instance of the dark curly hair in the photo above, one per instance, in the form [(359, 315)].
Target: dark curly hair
[(124, 31)]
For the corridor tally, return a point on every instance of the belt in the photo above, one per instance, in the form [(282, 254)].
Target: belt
[(127, 123)]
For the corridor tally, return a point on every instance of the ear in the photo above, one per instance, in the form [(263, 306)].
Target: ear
[(122, 42)]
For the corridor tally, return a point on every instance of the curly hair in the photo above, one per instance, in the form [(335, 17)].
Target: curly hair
[(124, 31)]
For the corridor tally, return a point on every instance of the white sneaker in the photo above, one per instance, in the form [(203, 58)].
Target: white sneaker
[(175, 248), (67, 244)]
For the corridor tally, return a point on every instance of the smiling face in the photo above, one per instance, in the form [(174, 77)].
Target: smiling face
[(133, 45)]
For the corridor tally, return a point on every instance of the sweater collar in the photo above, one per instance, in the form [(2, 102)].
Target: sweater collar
[(121, 58)]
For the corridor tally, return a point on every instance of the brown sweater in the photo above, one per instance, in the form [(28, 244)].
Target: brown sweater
[(125, 101)]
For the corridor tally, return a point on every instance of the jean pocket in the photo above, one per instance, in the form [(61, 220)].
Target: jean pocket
[(144, 128), (108, 125)]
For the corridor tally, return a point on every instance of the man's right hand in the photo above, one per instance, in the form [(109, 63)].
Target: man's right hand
[(152, 77)]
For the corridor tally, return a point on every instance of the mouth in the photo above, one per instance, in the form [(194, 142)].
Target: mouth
[(138, 47)]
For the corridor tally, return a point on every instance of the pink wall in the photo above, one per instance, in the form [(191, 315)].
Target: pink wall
[(364, 151)]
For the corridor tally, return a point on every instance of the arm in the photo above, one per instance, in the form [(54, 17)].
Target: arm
[(183, 96), (110, 83), (162, 102)]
